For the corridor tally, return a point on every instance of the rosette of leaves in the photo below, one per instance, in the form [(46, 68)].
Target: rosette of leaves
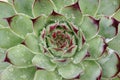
[(60, 40)]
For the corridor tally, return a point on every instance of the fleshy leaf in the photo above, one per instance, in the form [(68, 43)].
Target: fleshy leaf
[(38, 24), (116, 78), (3, 66), (88, 6), (13, 73), (89, 27), (8, 38), (7, 10), (117, 15), (21, 24), (31, 41), (42, 61), (24, 6), (61, 4), (80, 55), (20, 56), (73, 13), (46, 75), (110, 65), (42, 7), (70, 70), (114, 44), (108, 27), (108, 9), (92, 71), (54, 16), (2, 54), (4, 23), (96, 47), (70, 52)]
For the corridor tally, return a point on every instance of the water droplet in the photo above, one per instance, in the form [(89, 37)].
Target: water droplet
[(23, 76), (73, 17), (8, 38), (11, 69), (23, 60), (115, 3)]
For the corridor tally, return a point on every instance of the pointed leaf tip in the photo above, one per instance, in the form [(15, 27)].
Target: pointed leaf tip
[(115, 25), (75, 6), (55, 13)]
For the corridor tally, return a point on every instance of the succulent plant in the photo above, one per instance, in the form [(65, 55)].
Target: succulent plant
[(60, 40)]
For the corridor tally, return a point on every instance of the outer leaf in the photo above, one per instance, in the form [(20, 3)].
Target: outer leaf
[(96, 47), (21, 25), (108, 27), (46, 75), (114, 44), (13, 73), (108, 9), (20, 56), (7, 10), (89, 27), (24, 6), (31, 41), (42, 7), (89, 6), (92, 71), (8, 38), (44, 62), (70, 70), (73, 13), (110, 65)]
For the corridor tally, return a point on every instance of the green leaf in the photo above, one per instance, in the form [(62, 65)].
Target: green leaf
[(96, 47), (39, 24), (109, 9), (116, 78), (72, 13), (59, 4), (3, 23), (71, 53), (46, 75), (55, 17), (89, 27), (8, 38), (42, 7), (24, 6), (20, 56), (3, 66), (42, 61), (117, 15), (7, 10), (13, 73), (21, 24), (80, 55), (114, 44), (92, 70), (70, 70), (31, 41), (110, 65), (2, 54), (107, 27), (89, 6)]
